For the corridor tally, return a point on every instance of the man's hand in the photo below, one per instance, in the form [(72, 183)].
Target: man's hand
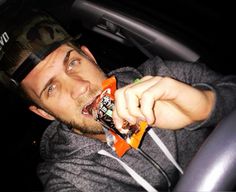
[(162, 102)]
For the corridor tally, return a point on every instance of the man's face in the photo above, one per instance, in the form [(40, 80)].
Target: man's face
[(63, 84)]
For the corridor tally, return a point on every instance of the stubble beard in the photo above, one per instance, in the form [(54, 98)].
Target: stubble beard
[(85, 125)]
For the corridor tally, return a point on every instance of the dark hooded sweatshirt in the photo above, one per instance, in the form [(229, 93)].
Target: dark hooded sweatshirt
[(72, 163)]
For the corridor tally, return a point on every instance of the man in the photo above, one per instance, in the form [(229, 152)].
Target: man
[(182, 101)]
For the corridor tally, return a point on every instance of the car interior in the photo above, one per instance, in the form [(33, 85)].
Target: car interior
[(121, 33)]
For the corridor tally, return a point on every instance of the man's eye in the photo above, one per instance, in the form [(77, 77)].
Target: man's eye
[(51, 89), (72, 65)]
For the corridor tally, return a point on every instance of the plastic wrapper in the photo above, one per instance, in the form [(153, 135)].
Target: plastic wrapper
[(101, 109)]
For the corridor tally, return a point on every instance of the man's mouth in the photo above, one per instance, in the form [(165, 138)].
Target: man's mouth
[(88, 108)]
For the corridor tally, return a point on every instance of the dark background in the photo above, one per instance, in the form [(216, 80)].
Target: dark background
[(207, 25)]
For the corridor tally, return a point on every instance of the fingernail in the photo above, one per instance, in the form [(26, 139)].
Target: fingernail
[(141, 118), (149, 121), (131, 121), (118, 124)]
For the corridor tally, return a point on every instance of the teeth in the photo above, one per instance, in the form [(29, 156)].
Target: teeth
[(88, 109), (84, 111)]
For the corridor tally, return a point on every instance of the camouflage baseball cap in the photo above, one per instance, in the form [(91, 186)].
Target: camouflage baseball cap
[(25, 40)]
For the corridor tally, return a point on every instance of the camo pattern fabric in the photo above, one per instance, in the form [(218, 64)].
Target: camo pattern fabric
[(28, 32)]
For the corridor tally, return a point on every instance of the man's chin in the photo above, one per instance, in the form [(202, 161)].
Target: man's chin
[(91, 128)]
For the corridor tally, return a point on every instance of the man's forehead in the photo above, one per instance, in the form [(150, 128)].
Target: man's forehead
[(45, 69), (57, 55)]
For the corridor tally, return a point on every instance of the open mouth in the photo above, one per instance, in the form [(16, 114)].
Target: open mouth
[(90, 107)]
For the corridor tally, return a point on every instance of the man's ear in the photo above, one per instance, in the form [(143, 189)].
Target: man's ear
[(41, 112), (88, 53)]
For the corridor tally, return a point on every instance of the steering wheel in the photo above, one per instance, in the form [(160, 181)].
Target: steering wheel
[(213, 168)]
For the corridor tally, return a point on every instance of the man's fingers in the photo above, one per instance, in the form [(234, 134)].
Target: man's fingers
[(136, 101), (163, 90), (127, 100), (147, 104), (116, 119), (121, 107)]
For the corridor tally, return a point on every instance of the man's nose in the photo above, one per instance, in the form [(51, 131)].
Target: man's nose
[(79, 88)]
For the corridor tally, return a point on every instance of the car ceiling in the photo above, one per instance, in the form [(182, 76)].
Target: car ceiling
[(204, 25)]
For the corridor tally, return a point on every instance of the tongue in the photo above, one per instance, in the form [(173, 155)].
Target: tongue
[(89, 109)]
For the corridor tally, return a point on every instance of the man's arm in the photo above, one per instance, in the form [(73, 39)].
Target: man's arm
[(162, 102), (168, 103)]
